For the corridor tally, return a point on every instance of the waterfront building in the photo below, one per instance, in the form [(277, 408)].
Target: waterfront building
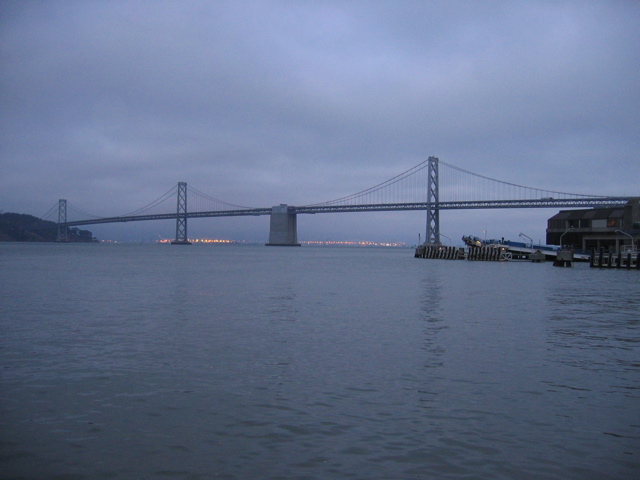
[(587, 229)]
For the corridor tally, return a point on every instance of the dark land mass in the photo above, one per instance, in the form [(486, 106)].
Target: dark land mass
[(19, 227)]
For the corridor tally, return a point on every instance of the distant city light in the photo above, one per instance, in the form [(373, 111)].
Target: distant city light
[(201, 240), (315, 243), (355, 244)]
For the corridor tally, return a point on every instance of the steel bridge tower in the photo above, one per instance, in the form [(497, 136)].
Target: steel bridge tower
[(181, 218), (62, 219), (433, 201)]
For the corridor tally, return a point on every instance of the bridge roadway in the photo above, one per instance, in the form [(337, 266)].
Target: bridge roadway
[(602, 202)]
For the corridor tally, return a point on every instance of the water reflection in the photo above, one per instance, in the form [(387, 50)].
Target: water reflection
[(432, 311), (281, 303)]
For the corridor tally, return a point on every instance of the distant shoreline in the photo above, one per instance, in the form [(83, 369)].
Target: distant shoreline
[(24, 228)]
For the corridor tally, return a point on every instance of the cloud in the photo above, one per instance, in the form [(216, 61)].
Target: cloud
[(110, 104)]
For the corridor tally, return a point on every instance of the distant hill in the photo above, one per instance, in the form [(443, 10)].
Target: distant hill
[(19, 227)]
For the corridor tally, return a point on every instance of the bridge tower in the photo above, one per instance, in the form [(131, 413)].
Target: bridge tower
[(433, 209), (181, 218), (62, 219)]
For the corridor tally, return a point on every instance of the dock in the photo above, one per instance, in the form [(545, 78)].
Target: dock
[(500, 250)]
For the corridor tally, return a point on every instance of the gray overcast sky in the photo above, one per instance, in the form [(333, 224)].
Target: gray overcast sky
[(110, 104)]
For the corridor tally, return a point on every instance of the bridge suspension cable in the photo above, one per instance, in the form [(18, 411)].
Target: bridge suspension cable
[(161, 199), (84, 214), (204, 202), (410, 181), (459, 184), (455, 185), (49, 214)]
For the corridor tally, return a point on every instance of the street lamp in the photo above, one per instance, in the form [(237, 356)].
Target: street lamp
[(633, 246), (527, 236), (568, 230), (447, 238)]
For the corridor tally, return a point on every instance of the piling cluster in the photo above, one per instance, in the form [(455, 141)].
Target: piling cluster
[(440, 251), (602, 259), (487, 253), (564, 258)]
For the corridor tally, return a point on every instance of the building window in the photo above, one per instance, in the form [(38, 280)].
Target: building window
[(556, 224)]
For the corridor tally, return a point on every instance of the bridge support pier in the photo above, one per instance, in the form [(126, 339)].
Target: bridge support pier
[(283, 230)]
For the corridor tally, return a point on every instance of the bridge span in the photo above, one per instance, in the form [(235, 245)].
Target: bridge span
[(283, 217), (284, 223)]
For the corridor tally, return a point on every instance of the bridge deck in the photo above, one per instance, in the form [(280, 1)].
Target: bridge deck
[(587, 202)]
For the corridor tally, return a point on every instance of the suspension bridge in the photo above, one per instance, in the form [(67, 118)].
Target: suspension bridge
[(432, 186)]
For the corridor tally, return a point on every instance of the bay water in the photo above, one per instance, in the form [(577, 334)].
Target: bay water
[(253, 362)]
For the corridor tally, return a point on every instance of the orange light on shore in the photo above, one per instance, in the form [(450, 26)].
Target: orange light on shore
[(201, 240), (355, 244)]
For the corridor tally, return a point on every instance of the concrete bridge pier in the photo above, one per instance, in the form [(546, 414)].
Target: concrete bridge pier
[(283, 230)]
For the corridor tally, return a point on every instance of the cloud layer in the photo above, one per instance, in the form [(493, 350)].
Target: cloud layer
[(110, 104)]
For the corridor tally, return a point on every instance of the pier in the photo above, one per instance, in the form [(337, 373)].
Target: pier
[(486, 253), (501, 250)]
